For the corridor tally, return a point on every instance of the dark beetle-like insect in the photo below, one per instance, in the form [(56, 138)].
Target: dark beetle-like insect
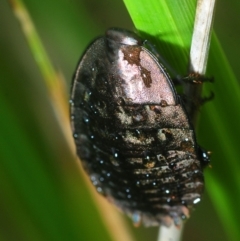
[(132, 132)]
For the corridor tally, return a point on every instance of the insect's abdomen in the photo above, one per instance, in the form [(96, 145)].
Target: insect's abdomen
[(142, 157)]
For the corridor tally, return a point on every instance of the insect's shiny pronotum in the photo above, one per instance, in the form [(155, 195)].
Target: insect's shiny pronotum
[(132, 132)]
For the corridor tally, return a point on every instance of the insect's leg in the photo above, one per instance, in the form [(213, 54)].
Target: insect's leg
[(195, 78), (192, 78), (205, 99), (197, 102)]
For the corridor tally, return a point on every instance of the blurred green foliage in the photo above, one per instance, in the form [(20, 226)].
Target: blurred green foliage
[(43, 196)]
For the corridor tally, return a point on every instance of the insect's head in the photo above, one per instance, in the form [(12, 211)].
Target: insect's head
[(122, 36)]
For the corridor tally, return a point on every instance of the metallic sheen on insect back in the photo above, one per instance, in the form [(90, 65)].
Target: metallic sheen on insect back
[(132, 133)]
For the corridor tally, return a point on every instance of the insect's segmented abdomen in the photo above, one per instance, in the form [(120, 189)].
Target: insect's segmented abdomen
[(141, 157)]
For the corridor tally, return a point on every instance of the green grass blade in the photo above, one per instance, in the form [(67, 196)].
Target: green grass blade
[(168, 24)]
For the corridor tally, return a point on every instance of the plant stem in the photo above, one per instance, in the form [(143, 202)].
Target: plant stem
[(199, 52)]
